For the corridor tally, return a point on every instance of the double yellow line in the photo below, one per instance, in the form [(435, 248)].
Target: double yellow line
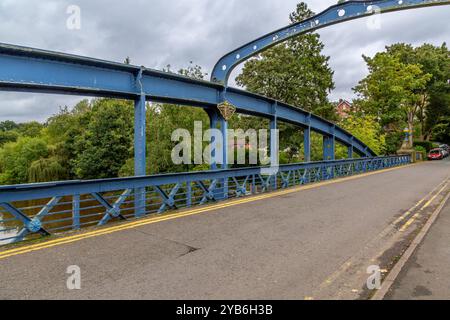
[(426, 205), (418, 204), (432, 195), (144, 222)]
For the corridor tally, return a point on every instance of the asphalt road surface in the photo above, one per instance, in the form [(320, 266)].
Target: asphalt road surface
[(312, 244)]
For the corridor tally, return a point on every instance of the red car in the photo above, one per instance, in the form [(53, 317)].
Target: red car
[(436, 154)]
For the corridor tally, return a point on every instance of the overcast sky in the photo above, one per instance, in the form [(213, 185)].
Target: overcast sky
[(155, 33)]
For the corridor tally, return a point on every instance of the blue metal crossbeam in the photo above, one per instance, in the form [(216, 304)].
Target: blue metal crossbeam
[(112, 211), (338, 13), (168, 200), (208, 192), (31, 225), (33, 70), (241, 189)]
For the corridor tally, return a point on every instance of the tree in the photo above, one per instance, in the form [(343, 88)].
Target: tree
[(106, 143), (30, 129), (62, 132), (8, 125), (368, 130), (393, 90), (294, 72), (434, 60), (193, 71), (438, 117), (162, 120), (47, 169), (17, 157), (8, 136)]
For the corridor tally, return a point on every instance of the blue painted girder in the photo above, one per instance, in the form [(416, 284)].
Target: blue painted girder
[(33, 70)]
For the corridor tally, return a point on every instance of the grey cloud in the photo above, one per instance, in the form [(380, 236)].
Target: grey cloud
[(155, 33)]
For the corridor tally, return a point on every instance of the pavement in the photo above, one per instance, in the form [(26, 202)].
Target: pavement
[(314, 243), (426, 275)]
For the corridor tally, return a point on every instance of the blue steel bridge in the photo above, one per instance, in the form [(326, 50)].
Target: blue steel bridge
[(34, 210)]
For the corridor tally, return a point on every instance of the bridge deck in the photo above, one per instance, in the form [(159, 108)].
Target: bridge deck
[(316, 242)]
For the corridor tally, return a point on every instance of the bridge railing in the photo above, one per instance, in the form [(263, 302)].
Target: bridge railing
[(34, 210)]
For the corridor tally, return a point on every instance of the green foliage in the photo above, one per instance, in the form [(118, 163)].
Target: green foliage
[(8, 136), (426, 145), (390, 89), (47, 169), (192, 71), (420, 149), (162, 120), (408, 86), (394, 140), (394, 89), (316, 147), (8, 125), (341, 152), (434, 102), (284, 158), (17, 157), (437, 122), (30, 129), (368, 130), (294, 72), (106, 144)]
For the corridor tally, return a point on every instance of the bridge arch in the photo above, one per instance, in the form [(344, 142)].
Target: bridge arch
[(339, 13)]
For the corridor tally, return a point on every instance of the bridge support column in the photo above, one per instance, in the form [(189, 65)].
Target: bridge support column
[(213, 122), (221, 191), (224, 130), (140, 152), (274, 150), (328, 148), (307, 144), (350, 152)]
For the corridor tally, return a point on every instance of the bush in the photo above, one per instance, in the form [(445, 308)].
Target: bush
[(426, 145), (420, 149), (423, 151), (394, 141)]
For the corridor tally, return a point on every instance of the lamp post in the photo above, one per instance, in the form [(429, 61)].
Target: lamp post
[(407, 134)]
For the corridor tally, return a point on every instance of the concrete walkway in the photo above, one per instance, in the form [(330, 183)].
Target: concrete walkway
[(427, 274)]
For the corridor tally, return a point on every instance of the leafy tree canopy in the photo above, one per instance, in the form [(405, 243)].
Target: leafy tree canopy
[(295, 72)]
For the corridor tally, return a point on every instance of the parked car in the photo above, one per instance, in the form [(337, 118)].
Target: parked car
[(446, 149), (436, 154)]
